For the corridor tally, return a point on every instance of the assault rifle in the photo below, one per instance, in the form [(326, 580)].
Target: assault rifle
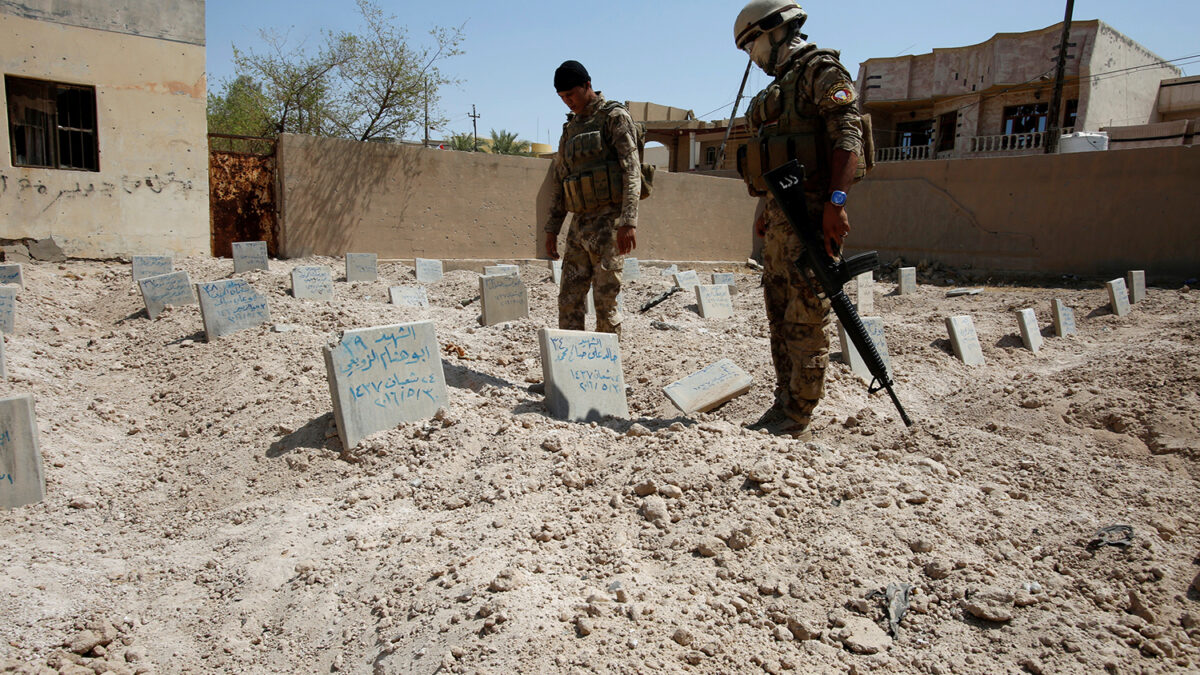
[(659, 299), (786, 184)]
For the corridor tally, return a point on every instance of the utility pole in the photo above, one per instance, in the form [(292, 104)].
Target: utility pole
[(474, 128), (1053, 130), (427, 112)]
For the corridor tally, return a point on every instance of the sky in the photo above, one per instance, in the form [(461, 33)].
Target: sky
[(670, 52)]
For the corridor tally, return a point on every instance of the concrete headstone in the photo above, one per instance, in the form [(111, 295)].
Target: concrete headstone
[(687, 279), (955, 292), (865, 289), (380, 377), (362, 267), (727, 278), (230, 305), (503, 298), (173, 288), (709, 387), (964, 340), (670, 271), (590, 310), (312, 282), (151, 266), (1118, 297), (12, 274), (409, 296), (1136, 281), (1064, 318), (428, 270), (908, 280), (583, 377), (3, 360), (851, 355), (8, 308), (511, 270), (714, 301), (1031, 334), (21, 479), (630, 269), (556, 272), (249, 255)]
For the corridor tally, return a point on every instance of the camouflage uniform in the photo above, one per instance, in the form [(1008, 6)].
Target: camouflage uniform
[(814, 93), (592, 258)]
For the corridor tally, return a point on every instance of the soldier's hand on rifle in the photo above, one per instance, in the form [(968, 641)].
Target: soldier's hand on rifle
[(552, 245), (626, 239), (836, 225)]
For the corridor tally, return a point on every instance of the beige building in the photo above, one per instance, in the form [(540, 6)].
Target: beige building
[(993, 98), (103, 144)]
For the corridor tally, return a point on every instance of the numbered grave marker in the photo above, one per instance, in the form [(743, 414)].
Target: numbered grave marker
[(249, 255), (427, 270), (964, 340), (1136, 280), (670, 271), (583, 375), (8, 308), (1118, 297), (12, 274), (230, 305), (865, 289), (1031, 335), (714, 301), (1064, 319), (556, 272), (908, 280), (151, 266), (851, 355), (493, 270), (21, 479), (630, 269), (503, 298), (159, 291), (312, 282), (362, 267), (409, 296), (709, 387), (687, 280)]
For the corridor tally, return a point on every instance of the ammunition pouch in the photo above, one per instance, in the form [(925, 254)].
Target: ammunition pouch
[(760, 155)]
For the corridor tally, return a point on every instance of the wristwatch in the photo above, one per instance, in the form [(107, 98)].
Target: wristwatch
[(837, 198)]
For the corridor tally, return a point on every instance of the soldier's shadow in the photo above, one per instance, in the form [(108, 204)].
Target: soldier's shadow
[(461, 377), (311, 435)]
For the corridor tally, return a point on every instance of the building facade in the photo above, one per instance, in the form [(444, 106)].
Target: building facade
[(103, 144)]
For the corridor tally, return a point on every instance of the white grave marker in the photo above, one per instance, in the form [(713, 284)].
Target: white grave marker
[(583, 376), (908, 280), (511, 270), (955, 292), (427, 270), (382, 376), (503, 298), (151, 266), (964, 340), (1118, 297), (3, 360), (1136, 280), (1031, 334), (556, 272), (714, 301), (21, 478), (249, 255), (865, 289), (312, 282), (708, 388), (687, 280), (12, 274), (630, 269), (8, 308), (230, 305), (851, 355), (1064, 319), (670, 271), (590, 310), (173, 288), (409, 296), (727, 278), (362, 267)]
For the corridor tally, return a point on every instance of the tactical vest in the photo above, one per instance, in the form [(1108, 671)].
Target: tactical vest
[(786, 124), (594, 178)]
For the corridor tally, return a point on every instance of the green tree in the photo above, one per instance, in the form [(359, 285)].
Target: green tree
[(463, 142), (507, 143), (240, 109)]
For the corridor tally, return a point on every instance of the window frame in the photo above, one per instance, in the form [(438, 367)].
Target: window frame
[(69, 134)]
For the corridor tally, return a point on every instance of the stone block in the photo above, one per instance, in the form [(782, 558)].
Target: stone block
[(714, 301), (582, 373), (687, 280), (908, 281), (15, 253), (964, 340), (1118, 297), (312, 282), (380, 377), (670, 271), (230, 305), (1136, 281), (851, 355), (709, 387), (427, 271), (144, 266), (1031, 334), (503, 298), (8, 308), (13, 274), (159, 291), (249, 255), (510, 270), (1064, 318), (21, 479), (362, 267), (956, 292), (630, 269), (864, 288), (46, 250), (409, 296)]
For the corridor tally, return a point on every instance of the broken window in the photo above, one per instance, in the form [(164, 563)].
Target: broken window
[(1026, 119), (52, 125), (947, 128)]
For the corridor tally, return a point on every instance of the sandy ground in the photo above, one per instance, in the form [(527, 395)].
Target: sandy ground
[(202, 516)]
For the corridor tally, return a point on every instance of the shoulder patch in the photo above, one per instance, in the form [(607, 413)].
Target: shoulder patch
[(841, 94)]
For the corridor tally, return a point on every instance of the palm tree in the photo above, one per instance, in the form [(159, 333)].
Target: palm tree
[(464, 142), (506, 143)]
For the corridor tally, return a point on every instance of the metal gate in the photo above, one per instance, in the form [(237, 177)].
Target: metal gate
[(241, 184)]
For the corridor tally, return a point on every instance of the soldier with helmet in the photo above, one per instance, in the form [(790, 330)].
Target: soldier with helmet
[(596, 175), (808, 113)]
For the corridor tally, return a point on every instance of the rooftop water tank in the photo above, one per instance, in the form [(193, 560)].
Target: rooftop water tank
[(1083, 141)]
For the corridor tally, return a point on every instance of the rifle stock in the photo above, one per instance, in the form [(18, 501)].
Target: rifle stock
[(786, 184)]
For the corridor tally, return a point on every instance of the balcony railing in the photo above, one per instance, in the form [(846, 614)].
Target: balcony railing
[(903, 153), (1010, 143)]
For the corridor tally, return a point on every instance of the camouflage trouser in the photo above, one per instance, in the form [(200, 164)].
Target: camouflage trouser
[(591, 261), (797, 317)]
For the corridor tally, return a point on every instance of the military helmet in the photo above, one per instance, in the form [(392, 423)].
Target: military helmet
[(762, 16)]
